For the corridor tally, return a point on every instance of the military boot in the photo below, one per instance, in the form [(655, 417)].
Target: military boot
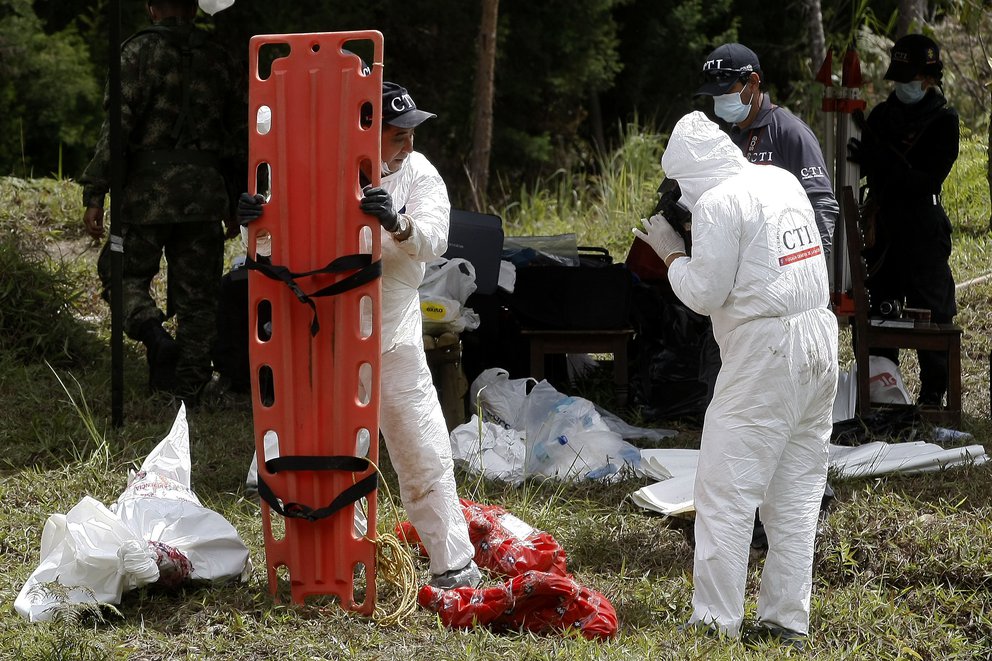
[(163, 354)]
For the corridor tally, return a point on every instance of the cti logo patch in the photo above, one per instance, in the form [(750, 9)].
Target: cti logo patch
[(800, 243), (402, 103)]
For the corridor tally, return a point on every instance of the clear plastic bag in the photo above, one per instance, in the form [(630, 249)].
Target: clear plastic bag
[(567, 438)]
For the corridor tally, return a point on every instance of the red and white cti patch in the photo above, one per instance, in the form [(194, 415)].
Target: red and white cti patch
[(799, 256)]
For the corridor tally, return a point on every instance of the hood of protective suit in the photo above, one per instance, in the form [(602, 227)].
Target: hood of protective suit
[(699, 156)]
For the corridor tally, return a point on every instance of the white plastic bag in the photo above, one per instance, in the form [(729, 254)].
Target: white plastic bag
[(885, 386), (502, 399), (499, 454), (156, 531), (446, 286), (80, 549)]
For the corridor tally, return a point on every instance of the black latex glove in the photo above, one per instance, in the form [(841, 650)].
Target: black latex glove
[(250, 208), (862, 153), (377, 202), (859, 120)]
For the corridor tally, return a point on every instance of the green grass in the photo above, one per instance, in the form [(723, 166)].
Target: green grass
[(902, 568)]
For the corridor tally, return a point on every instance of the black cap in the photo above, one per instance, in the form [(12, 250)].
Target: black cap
[(725, 66), (914, 54), (398, 108)]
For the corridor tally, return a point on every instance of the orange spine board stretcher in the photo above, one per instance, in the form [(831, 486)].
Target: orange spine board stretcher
[(324, 393)]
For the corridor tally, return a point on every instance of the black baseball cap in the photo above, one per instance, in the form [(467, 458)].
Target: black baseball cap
[(398, 108), (725, 66), (914, 54)]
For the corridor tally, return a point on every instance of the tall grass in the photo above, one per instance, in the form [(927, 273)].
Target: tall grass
[(599, 207)]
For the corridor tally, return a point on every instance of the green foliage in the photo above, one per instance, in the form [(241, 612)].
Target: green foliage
[(966, 191), (49, 98), (599, 207), (36, 317), (39, 295)]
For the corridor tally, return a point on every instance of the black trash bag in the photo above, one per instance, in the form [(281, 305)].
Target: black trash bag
[(892, 423), (671, 356)]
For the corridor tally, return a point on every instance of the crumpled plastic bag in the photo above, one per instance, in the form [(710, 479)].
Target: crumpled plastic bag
[(534, 601), (885, 386), (501, 398), (446, 286), (490, 449), (564, 437), (540, 595), (157, 531), (567, 439)]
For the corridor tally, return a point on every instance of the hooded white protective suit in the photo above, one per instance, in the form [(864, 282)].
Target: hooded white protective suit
[(756, 270), (410, 415)]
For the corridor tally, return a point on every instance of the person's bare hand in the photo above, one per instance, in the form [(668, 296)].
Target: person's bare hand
[(93, 219)]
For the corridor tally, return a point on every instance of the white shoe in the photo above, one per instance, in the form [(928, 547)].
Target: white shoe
[(468, 576)]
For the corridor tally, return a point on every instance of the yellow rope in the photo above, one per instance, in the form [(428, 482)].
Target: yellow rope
[(394, 565)]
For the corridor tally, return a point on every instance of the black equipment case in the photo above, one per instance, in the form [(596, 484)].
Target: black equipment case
[(595, 295)]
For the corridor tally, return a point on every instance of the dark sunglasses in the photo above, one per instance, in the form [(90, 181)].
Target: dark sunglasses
[(723, 75)]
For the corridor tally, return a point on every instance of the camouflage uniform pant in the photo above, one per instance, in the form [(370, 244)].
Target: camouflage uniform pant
[(195, 256)]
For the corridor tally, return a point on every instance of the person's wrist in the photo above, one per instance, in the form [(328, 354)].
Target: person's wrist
[(403, 228), (672, 257)]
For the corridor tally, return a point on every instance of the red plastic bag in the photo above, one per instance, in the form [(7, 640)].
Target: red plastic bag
[(503, 543), (535, 601)]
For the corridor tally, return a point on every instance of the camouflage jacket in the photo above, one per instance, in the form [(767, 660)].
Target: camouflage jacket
[(185, 140)]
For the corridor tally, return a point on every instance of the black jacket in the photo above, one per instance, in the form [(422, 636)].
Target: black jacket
[(913, 148)]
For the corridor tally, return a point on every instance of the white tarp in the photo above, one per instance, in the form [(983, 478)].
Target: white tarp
[(676, 468), (879, 458)]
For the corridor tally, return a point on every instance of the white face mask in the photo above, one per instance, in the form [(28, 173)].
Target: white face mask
[(213, 6), (911, 92), (730, 108), (384, 169)]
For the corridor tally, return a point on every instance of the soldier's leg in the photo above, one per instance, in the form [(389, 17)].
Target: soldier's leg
[(195, 254), (142, 255), (104, 271), (142, 316)]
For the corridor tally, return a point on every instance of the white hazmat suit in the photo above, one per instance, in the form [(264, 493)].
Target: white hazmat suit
[(410, 415), (756, 269)]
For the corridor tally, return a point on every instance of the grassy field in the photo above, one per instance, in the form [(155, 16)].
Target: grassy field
[(902, 567)]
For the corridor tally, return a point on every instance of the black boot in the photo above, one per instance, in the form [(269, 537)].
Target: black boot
[(163, 354)]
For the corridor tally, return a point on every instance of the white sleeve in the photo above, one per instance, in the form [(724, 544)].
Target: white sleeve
[(428, 210), (704, 281)]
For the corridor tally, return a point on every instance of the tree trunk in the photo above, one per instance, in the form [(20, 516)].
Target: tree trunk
[(911, 13), (814, 26), (482, 125)]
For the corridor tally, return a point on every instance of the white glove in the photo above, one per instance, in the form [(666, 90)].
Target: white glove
[(661, 236)]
